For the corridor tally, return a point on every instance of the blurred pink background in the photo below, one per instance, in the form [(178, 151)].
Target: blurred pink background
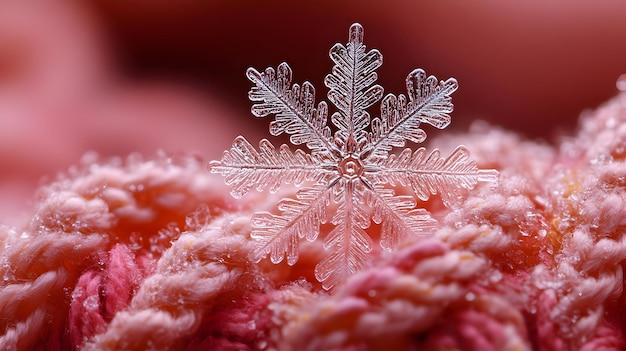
[(117, 77)]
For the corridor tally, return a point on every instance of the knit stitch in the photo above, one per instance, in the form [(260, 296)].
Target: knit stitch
[(153, 254)]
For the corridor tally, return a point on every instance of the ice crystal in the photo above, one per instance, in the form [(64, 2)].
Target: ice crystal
[(342, 179)]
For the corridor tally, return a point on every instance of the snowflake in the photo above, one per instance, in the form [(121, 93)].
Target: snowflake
[(343, 177)]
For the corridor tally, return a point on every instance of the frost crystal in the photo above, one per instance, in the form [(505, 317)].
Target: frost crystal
[(343, 177)]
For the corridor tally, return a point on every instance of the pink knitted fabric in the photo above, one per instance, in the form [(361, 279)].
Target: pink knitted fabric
[(152, 255)]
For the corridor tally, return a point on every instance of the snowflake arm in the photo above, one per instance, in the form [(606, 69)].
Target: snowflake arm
[(430, 174), (429, 102), (293, 106), (278, 235), (399, 217), (348, 242), (351, 85), (245, 168)]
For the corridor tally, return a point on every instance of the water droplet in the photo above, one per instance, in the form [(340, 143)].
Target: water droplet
[(496, 276), (136, 241), (154, 244), (542, 233), (78, 293), (91, 303), (164, 237), (7, 276), (252, 325), (198, 219), (136, 188)]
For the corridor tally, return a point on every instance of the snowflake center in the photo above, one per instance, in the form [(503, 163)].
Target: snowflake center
[(350, 167)]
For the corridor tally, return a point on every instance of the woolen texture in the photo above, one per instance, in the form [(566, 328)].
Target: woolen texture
[(152, 254)]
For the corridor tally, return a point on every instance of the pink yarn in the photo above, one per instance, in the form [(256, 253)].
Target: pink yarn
[(153, 254), (427, 296), (101, 293)]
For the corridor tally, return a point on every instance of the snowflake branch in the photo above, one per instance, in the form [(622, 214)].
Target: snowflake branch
[(399, 217), (349, 242), (350, 83), (278, 235), (432, 174), (429, 102), (294, 108), (245, 168)]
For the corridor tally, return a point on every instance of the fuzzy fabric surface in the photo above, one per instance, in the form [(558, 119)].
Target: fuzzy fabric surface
[(152, 254)]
